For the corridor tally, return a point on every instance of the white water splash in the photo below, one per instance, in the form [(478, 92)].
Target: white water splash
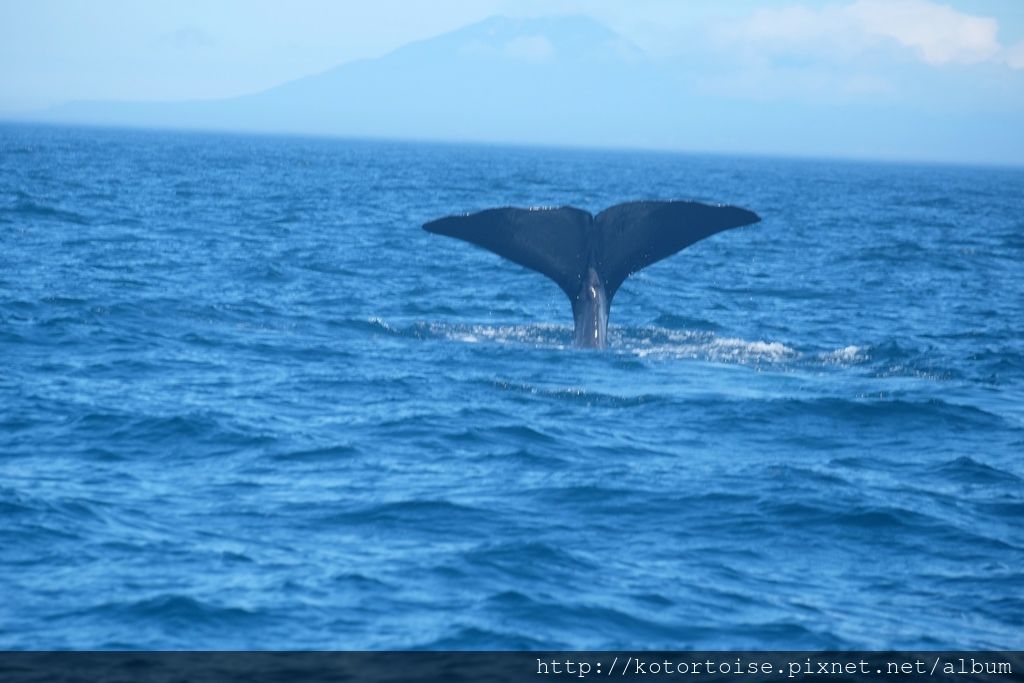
[(844, 356), (643, 342), (538, 335), (708, 346)]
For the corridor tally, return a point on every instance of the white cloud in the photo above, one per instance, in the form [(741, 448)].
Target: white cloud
[(936, 34), (793, 28)]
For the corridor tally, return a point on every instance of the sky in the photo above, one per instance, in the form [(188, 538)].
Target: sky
[(955, 58)]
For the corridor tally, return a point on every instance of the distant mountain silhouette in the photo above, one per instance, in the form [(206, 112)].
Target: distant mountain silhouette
[(562, 80)]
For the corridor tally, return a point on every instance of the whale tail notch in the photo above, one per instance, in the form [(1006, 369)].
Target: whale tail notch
[(572, 247)]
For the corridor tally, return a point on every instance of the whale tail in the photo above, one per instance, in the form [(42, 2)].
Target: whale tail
[(584, 253)]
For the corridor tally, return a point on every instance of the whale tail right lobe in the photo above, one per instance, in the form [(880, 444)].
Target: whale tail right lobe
[(565, 243), (636, 234)]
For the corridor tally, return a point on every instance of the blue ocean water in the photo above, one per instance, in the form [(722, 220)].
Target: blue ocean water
[(246, 402)]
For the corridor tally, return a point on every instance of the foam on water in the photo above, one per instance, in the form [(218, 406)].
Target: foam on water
[(847, 355), (654, 342), (641, 342)]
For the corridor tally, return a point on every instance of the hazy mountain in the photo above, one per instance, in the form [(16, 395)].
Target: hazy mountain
[(566, 80)]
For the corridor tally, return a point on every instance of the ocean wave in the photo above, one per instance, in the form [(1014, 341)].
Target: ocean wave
[(876, 411), (339, 452), (429, 517), (172, 609), (460, 637), (968, 470), (30, 209), (578, 395)]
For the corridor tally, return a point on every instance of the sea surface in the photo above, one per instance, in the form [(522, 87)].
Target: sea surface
[(247, 402)]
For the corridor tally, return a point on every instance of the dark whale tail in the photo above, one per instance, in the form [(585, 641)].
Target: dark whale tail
[(591, 256)]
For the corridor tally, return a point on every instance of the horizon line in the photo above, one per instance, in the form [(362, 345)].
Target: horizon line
[(569, 147)]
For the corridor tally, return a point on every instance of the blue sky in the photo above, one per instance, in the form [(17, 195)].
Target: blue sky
[(962, 62)]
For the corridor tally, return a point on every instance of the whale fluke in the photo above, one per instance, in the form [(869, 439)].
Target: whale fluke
[(591, 256)]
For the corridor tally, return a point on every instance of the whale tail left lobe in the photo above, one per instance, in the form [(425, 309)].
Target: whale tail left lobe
[(551, 241)]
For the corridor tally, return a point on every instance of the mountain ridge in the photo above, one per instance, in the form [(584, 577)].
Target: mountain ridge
[(546, 80)]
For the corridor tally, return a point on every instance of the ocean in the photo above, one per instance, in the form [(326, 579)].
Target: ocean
[(246, 402)]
